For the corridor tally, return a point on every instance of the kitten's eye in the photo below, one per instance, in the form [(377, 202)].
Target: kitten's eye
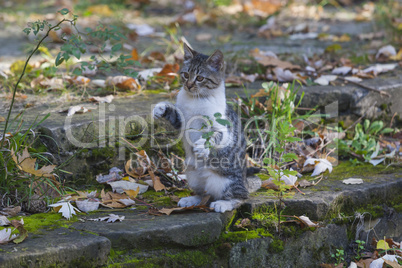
[(185, 75), (200, 78)]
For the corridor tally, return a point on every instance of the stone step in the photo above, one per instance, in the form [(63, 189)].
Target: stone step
[(57, 248)]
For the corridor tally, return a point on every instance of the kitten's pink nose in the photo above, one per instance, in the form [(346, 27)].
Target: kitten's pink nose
[(189, 85)]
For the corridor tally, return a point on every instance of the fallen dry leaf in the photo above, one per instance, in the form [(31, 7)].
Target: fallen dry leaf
[(110, 218), (352, 181), (169, 211), (87, 205), (65, 208), (386, 51), (305, 183), (11, 211), (168, 73), (121, 186), (307, 221), (132, 193), (321, 165), (267, 184), (6, 236), (123, 82), (106, 99), (158, 186), (19, 225), (272, 61), (27, 164), (4, 221)]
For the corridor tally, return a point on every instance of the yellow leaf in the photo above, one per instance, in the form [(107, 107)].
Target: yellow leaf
[(2, 119), (27, 164), (131, 193), (102, 10), (382, 245), (18, 66), (397, 56)]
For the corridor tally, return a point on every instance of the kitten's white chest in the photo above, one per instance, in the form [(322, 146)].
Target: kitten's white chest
[(196, 109)]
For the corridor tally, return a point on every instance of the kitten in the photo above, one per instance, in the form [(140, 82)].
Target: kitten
[(218, 170)]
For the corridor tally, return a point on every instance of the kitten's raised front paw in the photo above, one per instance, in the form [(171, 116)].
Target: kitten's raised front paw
[(189, 201), (199, 148), (159, 110), (222, 206)]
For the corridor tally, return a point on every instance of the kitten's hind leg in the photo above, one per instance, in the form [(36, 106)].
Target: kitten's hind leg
[(190, 201), (225, 205)]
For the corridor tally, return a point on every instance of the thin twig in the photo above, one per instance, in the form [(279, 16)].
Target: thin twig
[(366, 87)]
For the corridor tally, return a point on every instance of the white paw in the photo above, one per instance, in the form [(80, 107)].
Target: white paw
[(222, 206), (199, 148), (159, 110), (189, 201)]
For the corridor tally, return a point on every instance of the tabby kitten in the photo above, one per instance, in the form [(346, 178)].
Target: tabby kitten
[(218, 170)]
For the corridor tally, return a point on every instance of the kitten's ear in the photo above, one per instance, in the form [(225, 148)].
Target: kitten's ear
[(216, 60), (188, 52)]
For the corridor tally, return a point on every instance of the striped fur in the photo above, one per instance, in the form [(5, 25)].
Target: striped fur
[(219, 171)]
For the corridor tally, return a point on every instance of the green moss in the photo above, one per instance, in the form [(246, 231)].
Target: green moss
[(346, 170), (154, 91), (375, 211), (241, 236), (182, 193), (103, 152), (190, 258), (35, 222), (276, 246), (157, 198)]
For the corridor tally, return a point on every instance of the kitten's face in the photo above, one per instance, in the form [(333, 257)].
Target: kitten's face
[(201, 74)]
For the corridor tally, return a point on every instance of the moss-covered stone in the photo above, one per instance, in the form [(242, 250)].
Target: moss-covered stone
[(34, 223), (241, 236), (276, 246)]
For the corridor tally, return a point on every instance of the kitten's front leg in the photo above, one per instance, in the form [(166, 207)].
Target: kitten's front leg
[(190, 201), (168, 111)]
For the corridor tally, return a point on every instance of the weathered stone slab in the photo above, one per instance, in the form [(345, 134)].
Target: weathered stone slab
[(146, 231), (317, 203), (57, 248), (353, 99), (308, 250)]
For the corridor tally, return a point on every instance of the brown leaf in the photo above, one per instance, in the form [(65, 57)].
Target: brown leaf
[(393, 264), (168, 73), (305, 183), (204, 200), (27, 164), (158, 186), (134, 55), (169, 211), (364, 263), (272, 61), (19, 225), (123, 82), (11, 211), (131, 193), (267, 184), (156, 55)]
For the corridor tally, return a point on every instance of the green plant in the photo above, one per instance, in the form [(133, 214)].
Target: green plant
[(16, 138), (364, 144), (339, 256), (279, 134), (359, 249)]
